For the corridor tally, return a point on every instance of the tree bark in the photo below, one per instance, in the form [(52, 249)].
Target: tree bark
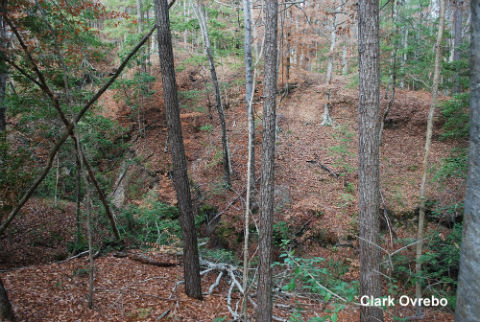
[(428, 143), (468, 290), (264, 288), (368, 156), (6, 311), (227, 167), (180, 176), (249, 92)]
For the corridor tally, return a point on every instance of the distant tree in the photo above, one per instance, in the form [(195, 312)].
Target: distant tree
[(392, 82), (468, 290), (326, 119), (264, 288), (368, 156), (428, 143), (199, 12), (191, 262), (3, 69), (457, 40), (6, 311)]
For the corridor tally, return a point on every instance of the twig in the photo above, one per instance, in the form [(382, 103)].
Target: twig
[(385, 214), (217, 281)]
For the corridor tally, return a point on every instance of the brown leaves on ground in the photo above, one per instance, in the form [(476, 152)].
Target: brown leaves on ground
[(125, 290)]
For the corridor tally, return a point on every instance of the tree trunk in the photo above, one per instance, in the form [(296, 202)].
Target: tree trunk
[(249, 92), (368, 156), (227, 167), (468, 290), (393, 70), (140, 31), (457, 41), (180, 177), (6, 311), (421, 213), (326, 119), (264, 288), (3, 72), (344, 58)]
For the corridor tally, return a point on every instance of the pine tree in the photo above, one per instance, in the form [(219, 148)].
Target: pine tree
[(368, 156), (191, 262), (468, 290)]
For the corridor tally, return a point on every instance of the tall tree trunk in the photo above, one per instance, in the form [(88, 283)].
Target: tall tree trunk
[(326, 119), (78, 188), (404, 56), (180, 177), (264, 288), (457, 41), (140, 31), (428, 141), (393, 70), (344, 58), (3, 71), (368, 156), (227, 167), (249, 92), (468, 290), (6, 311)]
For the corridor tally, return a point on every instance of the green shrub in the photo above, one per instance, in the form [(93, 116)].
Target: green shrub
[(454, 165), (457, 118), (441, 264), (312, 276)]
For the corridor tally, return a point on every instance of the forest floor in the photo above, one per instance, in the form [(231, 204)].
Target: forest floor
[(320, 210)]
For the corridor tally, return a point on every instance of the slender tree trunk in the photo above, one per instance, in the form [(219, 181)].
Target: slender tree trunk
[(227, 167), (344, 58), (264, 288), (421, 214), (90, 246), (180, 176), (393, 70), (404, 56), (6, 311), (78, 202), (249, 92), (3, 83), (57, 177), (185, 19), (147, 47), (457, 41), (368, 156), (140, 31), (468, 290), (326, 119), (3, 72)]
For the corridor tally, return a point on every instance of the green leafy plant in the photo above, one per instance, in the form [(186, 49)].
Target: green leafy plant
[(313, 276), (455, 112)]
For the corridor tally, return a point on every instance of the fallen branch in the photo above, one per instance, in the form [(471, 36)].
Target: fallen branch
[(144, 260), (324, 167)]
